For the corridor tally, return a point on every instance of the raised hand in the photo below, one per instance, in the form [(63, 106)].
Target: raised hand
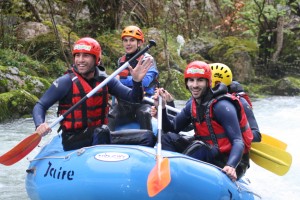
[(141, 69)]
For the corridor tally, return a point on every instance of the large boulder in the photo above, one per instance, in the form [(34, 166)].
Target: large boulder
[(287, 86), (11, 78), (16, 104), (29, 30), (199, 46), (237, 54)]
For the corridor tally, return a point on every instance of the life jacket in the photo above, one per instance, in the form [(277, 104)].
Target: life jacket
[(236, 89), (243, 95), (213, 133), (125, 73), (92, 112)]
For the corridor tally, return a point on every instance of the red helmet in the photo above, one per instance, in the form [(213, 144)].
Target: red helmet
[(198, 69), (133, 31), (88, 45)]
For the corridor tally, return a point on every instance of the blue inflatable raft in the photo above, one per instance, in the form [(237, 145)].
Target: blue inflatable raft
[(120, 172)]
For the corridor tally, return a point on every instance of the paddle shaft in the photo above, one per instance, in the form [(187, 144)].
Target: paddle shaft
[(29, 143), (103, 83), (167, 106), (160, 176), (159, 126)]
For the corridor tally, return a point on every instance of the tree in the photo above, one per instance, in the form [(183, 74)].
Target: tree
[(265, 18)]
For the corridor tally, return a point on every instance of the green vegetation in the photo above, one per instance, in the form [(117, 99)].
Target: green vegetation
[(249, 36), (15, 104)]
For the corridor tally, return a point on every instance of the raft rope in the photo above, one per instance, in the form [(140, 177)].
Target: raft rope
[(82, 150)]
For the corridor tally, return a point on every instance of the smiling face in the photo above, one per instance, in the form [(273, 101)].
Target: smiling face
[(85, 64), (197, 87), (131, 44)]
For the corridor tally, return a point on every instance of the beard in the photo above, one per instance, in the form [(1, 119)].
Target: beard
[(198, 93), (85, 73)]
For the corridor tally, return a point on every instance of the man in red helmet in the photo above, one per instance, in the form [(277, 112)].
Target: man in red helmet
[(87, 124), (222, 134), (124, 111)]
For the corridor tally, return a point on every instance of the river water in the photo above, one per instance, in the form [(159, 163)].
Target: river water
[(276, 116)]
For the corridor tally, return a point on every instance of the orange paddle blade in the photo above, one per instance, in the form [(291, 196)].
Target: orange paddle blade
[(21, 150), (159, 177)]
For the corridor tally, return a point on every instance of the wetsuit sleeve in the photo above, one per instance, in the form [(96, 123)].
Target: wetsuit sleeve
[(58, 90), (117, 89), (179, 122), (251, 119), (226, 114)]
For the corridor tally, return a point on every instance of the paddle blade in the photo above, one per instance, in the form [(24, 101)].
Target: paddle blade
[(271, 158), (266, 139), (21, 150), (159, 177)]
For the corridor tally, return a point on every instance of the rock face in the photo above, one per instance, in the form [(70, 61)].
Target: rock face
[(198, 46), (12, 79), (285, 87), (28, 30), (241, 66), (15, 104), (18, 92), (15, 80)]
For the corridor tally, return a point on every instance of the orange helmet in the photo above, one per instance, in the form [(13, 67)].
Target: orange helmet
[(133, 31), (88, 45), (198, 69)]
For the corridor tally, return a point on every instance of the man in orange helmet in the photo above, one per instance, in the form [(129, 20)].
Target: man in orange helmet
[(222, 134), (87, 124), (125, 111)]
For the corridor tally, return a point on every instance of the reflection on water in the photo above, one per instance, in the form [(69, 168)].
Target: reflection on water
[(276, 116)]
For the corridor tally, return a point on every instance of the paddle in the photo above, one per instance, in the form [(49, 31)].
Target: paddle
[(267, 139), (29, 143), (160, 175), (21, 150), (265, 155), (271, 158)]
